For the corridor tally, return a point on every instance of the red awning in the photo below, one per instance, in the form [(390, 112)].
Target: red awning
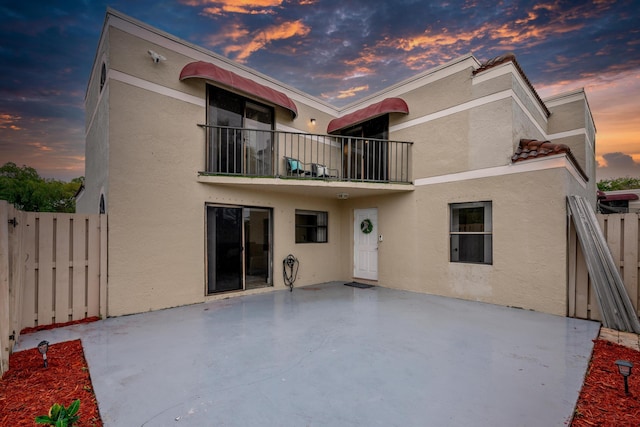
[(614, 197), (206, 70), (389, 105)]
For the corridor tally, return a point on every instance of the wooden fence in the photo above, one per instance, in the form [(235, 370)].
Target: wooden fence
[(621, 233), (53, 269)]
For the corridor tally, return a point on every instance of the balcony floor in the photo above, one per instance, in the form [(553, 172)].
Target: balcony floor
[(325, 188)]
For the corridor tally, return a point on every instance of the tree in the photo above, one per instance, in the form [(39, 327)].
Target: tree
[(625, 183), (28, 191)]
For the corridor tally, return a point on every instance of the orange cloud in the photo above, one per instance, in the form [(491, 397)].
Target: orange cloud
[(39, 146), (430, 39), (9, 121), (265, 36), (346, 93), (251, 7), (551, 7), (233, 31), (526, 31)]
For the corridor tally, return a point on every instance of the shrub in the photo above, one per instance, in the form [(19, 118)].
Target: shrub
[(59, 416)]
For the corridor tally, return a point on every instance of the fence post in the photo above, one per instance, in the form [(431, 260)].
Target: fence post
[(630, 257), (5, 345), (16, 273), (104, 311), (571, 274)]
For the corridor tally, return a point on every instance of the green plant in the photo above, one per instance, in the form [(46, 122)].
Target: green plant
[(59, 416), (626, 183)]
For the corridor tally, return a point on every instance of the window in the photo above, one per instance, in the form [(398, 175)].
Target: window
[(240, 136), (103, 75), (311, 227), (470, 231)]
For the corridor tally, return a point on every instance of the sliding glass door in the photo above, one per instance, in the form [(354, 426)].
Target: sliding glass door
[(364, 158), (240, 135), (238, 248), (224, 249)]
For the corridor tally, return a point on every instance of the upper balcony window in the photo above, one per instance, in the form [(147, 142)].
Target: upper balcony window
[(238, 144)]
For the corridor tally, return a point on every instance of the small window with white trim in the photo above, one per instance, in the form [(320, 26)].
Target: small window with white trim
[(311, 226), (471, 239), (103, 75)]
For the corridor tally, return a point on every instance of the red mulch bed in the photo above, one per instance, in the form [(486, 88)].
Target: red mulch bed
[(58, 325), (29, 389), (602, 400)]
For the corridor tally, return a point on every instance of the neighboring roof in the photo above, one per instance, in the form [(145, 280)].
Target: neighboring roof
[(510, 57), (388, 105), (533, 149), (208, 71)]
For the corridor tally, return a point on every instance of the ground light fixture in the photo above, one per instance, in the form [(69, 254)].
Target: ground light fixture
[(624, 367), (43, 347)]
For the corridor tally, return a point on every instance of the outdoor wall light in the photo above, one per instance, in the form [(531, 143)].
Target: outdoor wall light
[(43, 347), (624, 367), (343, 196), (312, 121)]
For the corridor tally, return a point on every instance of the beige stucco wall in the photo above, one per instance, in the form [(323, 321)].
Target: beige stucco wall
[(435, 148), (157, 208), (96, 161), (491, 135), (446, 92), (152, 151), (529, 245), (571, 115), (129, 55), (97, 136)]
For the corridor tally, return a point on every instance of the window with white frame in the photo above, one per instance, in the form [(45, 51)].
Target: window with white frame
[(470, 231), (311, 226)]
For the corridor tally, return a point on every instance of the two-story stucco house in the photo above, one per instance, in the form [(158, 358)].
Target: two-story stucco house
[(453, 182)]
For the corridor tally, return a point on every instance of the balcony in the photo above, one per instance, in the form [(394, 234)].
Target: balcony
[(256, 153)]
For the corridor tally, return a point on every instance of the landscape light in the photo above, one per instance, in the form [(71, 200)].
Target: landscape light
[(43, 347), (625, 367)]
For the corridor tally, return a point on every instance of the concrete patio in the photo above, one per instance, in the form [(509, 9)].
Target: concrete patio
[(333, 355)]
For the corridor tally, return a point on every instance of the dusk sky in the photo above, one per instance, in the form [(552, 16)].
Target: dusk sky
[(336, 50)]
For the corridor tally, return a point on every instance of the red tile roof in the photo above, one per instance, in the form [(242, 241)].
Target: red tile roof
[(533, 149), (530, 148), (510, 57)]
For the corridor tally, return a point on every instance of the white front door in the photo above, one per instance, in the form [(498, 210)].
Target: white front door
[(365, 244)]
